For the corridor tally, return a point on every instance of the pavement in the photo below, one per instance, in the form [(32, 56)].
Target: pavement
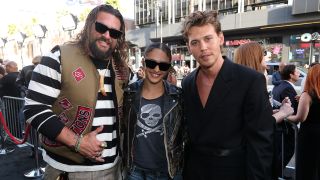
[(14, 165)]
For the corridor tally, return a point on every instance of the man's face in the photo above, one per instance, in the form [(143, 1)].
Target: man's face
[(102, 44), (204, 44), (295, 75)]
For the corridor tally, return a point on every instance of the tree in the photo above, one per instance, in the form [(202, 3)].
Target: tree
[(12, 29), (83, 15), (113, 3)]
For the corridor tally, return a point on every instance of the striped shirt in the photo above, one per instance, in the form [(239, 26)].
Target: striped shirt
[(44, 88)]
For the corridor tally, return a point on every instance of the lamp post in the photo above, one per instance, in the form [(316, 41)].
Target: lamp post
[(40, 33), (69, 23), (159, 10), (20, 37), (160, 24)]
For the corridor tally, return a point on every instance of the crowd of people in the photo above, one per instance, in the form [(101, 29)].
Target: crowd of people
[(99, 120)]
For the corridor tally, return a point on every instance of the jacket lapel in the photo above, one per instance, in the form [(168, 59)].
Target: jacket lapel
[(222, 85)]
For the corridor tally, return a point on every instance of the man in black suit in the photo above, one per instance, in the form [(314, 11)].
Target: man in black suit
[(8, 85), (228, 113), (289, 76)]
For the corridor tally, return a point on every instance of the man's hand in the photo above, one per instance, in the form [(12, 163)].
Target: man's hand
[(91, 147)]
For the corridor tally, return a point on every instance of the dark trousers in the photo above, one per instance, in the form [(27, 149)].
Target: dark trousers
[(308, 155), (287, 131)]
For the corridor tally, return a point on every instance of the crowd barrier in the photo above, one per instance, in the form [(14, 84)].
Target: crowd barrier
[(12, 112), (294, 126), (13, 125)]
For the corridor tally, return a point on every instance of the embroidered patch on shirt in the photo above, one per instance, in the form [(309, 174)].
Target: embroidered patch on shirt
[(82, 119), (65, 104), (63, 117), (78, 74)]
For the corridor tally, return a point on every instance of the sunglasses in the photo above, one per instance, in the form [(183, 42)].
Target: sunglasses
[(150, 63), (101, 28)]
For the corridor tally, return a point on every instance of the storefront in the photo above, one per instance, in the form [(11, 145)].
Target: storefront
[(272, 45), (304, 48)]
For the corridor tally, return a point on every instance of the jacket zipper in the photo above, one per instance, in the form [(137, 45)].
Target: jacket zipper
[(165, 138)]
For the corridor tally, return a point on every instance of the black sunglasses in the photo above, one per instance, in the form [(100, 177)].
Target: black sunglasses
[(150, 63), (101, 28)]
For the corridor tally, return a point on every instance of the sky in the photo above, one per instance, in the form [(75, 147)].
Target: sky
[(21, 11)]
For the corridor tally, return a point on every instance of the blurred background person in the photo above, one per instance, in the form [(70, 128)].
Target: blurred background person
[(252, 55), (171, 76), (289, 76), (2, 71), (8, 85), (24, 76), (276, 76), (308, 153), (140, 73), (303, 81)]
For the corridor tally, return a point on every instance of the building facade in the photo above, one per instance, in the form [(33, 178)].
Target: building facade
[(288, 29)]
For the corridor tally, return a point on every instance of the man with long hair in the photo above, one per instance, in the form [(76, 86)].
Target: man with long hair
[(75, 99)]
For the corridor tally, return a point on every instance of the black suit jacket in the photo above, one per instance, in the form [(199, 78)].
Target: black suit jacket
[(8, 85), (285, 89), (237, 115)]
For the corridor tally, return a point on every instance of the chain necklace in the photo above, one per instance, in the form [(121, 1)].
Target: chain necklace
[(102, 74)]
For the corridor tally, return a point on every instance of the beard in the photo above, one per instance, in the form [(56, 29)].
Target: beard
[(96, 52)]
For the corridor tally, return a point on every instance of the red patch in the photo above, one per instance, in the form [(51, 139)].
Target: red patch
[(65, 104), (63, 117), (82, 119), (78, 74)]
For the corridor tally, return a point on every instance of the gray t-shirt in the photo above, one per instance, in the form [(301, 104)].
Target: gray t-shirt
[(149, 150)]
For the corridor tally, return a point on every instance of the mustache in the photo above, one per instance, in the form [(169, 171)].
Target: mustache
[(104, 40)]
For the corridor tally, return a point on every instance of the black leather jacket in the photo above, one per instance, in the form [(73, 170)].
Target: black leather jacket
[(173, 123)]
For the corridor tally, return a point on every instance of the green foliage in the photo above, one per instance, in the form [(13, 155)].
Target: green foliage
[(83, 15), (113, 3), (12, 29)]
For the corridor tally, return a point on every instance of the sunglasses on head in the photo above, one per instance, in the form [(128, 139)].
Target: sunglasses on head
[(101, 28), (150, 63)]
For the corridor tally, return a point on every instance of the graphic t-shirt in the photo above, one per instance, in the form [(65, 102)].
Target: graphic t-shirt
[(149, 150)]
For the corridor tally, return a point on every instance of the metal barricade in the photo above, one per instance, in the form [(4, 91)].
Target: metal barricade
[(12, 111), (294, 126)]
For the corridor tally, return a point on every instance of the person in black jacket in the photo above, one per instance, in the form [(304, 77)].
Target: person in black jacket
[(289, 76), (8, 85), (153, 121), (24, 76), (228, 114)]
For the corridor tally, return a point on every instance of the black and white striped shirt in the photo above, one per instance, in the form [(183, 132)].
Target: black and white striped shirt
[(44, 88)]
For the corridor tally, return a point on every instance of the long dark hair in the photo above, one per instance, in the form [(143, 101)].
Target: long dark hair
[(120, 53), (161, 46)]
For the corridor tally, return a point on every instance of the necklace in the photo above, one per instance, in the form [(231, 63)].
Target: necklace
[(102, 74)]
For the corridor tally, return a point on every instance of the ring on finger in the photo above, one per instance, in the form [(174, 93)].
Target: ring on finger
[(103, 145), (99, 154)]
